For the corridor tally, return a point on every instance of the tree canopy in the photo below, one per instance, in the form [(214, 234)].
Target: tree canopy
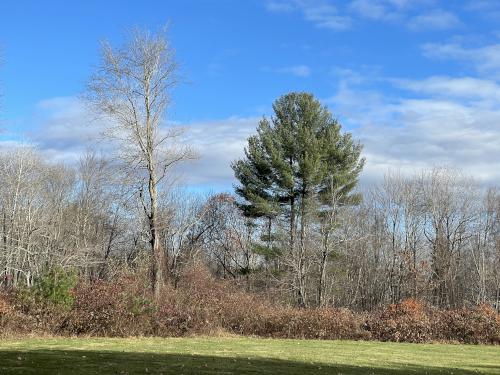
[(300, 153), (297, 164)]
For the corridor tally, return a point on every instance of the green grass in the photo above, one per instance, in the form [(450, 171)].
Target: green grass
[(203, 355)]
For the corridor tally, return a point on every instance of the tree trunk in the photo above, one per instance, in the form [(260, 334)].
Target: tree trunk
[(322, 279), (302, 253), (158, 263)]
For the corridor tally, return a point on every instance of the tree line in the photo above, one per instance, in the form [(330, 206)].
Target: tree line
[(298, 228)]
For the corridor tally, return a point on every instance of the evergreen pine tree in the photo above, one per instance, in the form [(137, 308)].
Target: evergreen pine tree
[(291, 167)]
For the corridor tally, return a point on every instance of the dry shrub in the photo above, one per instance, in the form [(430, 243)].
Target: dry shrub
[(6, 311), (171, 320), (407, 321), (13, 321), (31, 315), (5, 306), (325, 323), (202, 304), (480, 325), (411, 321), (101, 308)]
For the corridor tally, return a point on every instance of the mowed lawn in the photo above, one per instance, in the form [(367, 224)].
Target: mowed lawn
[(207, 355)]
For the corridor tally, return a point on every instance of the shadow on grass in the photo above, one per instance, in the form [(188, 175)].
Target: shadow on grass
[(109, 362)]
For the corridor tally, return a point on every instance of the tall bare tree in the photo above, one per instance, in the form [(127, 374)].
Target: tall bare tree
[(132, 88)]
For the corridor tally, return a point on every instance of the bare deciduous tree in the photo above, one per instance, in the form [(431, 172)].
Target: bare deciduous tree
[(132, 88)]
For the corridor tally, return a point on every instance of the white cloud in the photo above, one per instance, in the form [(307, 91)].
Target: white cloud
[(406, 11), (321, 13), (295, 70), (280, 6), (324, 15), (486, 8), (433, 121), (219, 143), (462, 87), (437, 122), (61, 129), (376, 10), (485, 59), (418, 15), (433, 20), (66, 130)]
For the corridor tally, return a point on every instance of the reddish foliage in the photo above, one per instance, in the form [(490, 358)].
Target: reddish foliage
[(203, 305), (110, 309), (209, 304), (472, 326), (12, 320), (406, 322), (5, 306), (411, 321)]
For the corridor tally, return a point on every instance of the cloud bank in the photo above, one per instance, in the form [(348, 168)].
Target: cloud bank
[(408, 124), (439, 121)]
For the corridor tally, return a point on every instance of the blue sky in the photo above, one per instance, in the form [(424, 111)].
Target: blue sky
[(416, 81)]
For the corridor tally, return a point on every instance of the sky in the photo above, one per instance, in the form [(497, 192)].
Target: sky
[(417, 82)]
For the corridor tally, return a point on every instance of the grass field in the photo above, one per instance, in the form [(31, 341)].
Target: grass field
[(241, 356)]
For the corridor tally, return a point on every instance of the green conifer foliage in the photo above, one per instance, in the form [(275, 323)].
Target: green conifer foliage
[(293, 165)]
